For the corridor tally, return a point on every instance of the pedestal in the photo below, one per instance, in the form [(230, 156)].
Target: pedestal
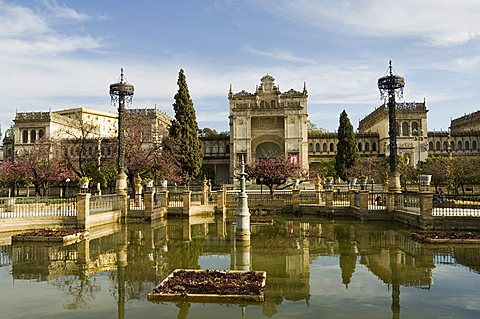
[(394, 185), (121, 184)]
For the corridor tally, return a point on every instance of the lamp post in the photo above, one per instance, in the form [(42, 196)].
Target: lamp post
[(120, 93), (419, 137), (389, 86)]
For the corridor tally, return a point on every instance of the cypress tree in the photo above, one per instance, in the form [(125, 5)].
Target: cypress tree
[(184, 130), (346, 148)]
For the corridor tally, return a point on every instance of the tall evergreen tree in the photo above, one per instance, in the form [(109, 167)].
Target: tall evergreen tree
[(184, 129), (346, 148)]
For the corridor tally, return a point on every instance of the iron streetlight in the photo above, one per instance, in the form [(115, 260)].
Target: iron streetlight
[(389, 86), (120, 94)]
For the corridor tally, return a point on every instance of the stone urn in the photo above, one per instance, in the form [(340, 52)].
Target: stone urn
[(425, 180)]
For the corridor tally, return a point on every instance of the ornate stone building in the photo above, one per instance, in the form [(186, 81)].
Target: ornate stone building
[(268, 122)]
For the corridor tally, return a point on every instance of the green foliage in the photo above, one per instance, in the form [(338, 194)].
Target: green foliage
[(185, 129), (323, 169), (347, 155), (313, 128)]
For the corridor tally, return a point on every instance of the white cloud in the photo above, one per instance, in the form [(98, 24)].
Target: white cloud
[(282, 55), (440, 22), (20, 21), (62, 11)]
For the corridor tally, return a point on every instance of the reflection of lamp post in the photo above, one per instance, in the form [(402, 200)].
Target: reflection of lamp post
[(120, 93), (390, 85)]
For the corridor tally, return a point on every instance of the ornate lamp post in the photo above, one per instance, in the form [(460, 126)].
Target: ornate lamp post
[(389, 86), (120, 93)]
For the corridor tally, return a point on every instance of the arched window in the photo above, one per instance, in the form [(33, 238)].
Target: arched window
[(359, 146), (272, 103), (445, 146), (405, 129), (437, 146), (367, 147), (25, 136), (467, 145), (331, 147), (317, 147), (33, 136), (374, 147), (262, 103), (474, 145), (214, 149), (324, 147), (452, 145), (41, 133), (207, 149), (459, 145), (415, 128), (310, 147), (430, 146), (227, 149)]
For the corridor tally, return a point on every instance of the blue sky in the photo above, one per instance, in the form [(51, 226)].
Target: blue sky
[(59, 54)]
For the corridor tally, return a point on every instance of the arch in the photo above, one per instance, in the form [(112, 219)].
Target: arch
[(367, 147), (415, 128), (374, 147), (474, 145), (310, 147), (267, 149), (25, 136), (207, 149), (467, 145), (405, 129), (459, 145), (324, 147), (445, 146), (214, 149), (273, 103), (430, 146), (359, 145), (33, 136), (437, 146), (332, 148), (452, 146), (262, 103), (41, 133), (317, 147)]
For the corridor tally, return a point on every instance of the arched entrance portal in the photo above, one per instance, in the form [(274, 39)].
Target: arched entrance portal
[(266, 149)]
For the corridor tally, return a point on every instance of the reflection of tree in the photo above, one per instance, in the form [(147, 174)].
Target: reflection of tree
[(348, 258), (80, 290)]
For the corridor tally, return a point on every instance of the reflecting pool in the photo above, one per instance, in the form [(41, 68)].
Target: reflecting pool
[(316, 268)]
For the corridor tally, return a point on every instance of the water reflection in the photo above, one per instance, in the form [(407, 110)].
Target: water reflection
[(138, 256)]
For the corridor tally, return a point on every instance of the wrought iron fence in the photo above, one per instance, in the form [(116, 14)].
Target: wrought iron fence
[(377, 201), (456, 205), (175, 199), (341, 199), (137, 203), (103, 203), (18, 207)]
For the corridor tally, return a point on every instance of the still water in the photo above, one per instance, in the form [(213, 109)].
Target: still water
[(315, 269)]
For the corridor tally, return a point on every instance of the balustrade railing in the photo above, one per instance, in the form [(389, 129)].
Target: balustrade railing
[(341, 199), (18, 207), (196, 198), (137, 203), (175, 199), (408, 202), (456, 205), (103, 203), (311, 197)]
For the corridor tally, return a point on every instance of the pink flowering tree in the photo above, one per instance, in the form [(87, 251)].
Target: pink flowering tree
[(11, 174), (271, 171), (41, 166)]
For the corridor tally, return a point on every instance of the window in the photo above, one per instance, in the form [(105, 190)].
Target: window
[(310, 147), (227, 149), (331, 147), (41, 133), (459, 145), (430, 146), (324, 147), (437, 146), (405, 129), (272, 103), (25, 136), (33, 136), (359, 146), (367, 147), (317, 147), (207, 149), (445, 146), (374, 147), (452, 146), (467, 145), (415, 128)]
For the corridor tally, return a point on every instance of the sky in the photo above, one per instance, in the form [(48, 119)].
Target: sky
[(58, 54)]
